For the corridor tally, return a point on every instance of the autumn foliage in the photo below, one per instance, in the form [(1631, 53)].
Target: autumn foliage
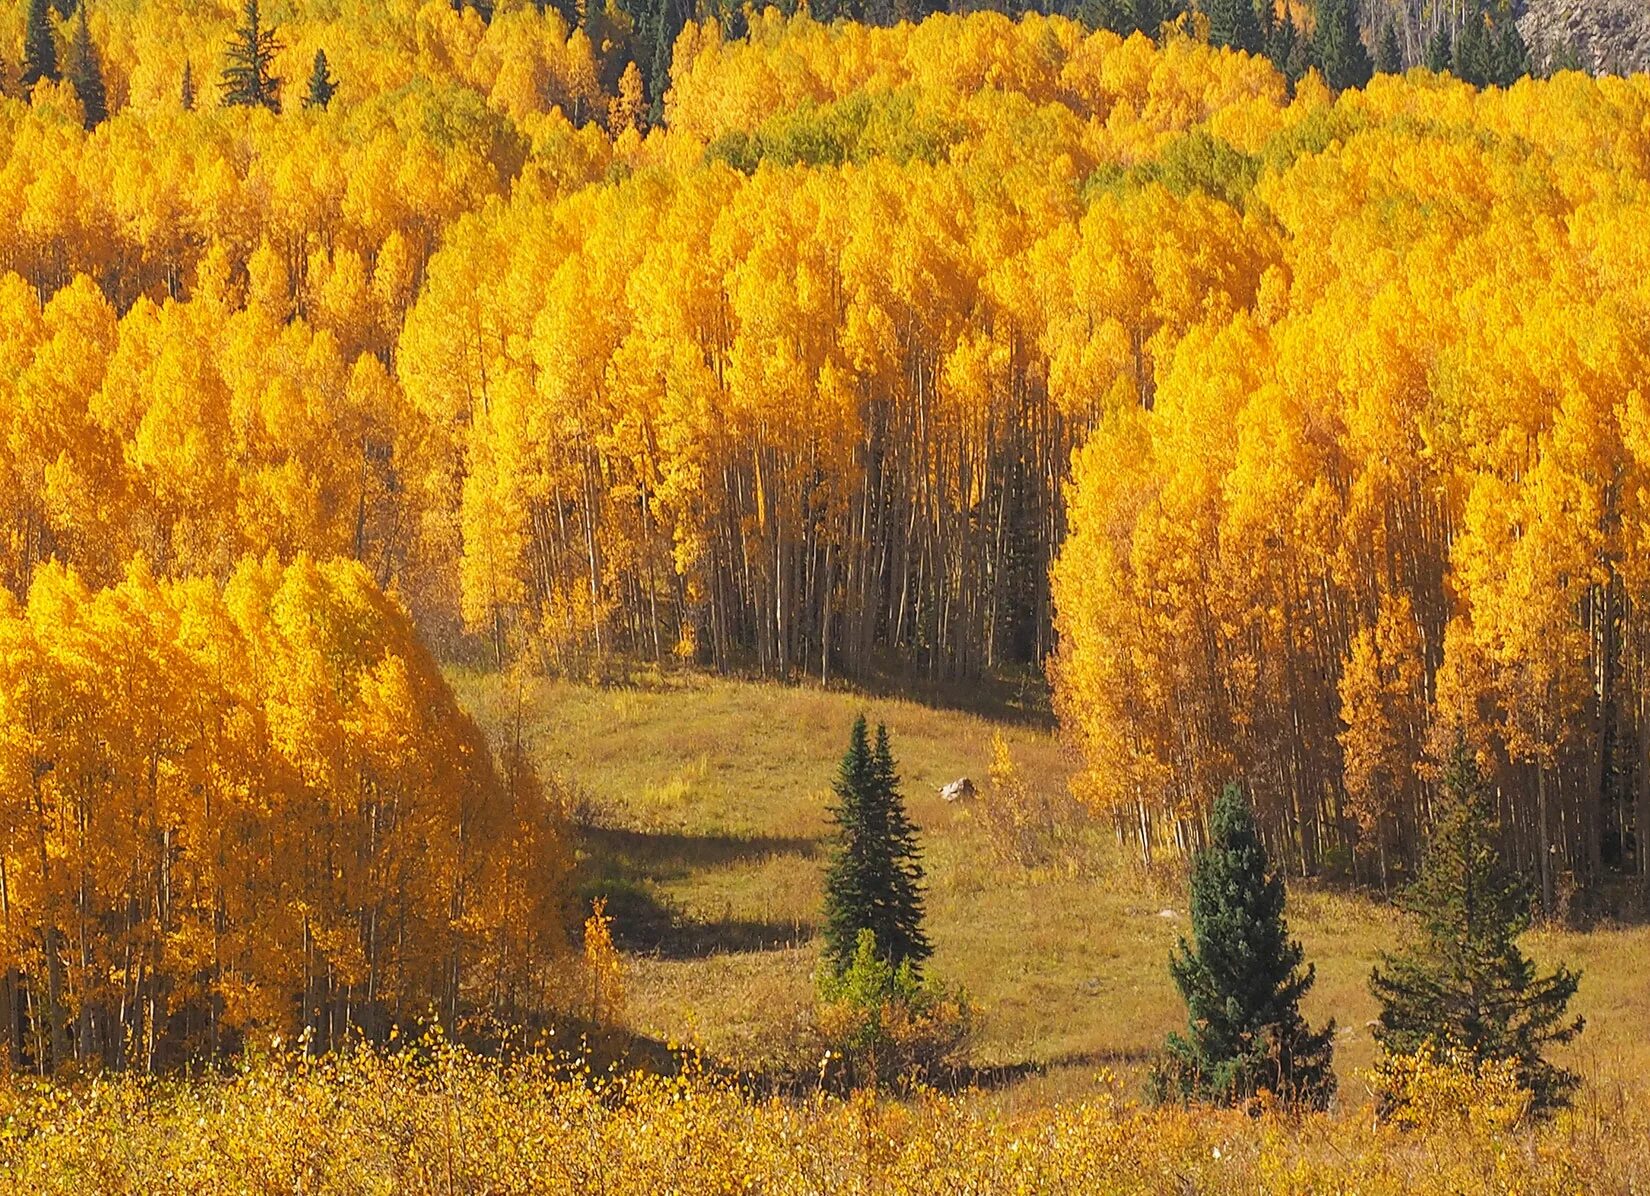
[(434, 1122), (253, 812), (1324, 413)]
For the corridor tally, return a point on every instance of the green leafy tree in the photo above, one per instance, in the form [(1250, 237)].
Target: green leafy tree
[(84, 72), (1242, 982), (1389, 56), (1337, 49), (885, 1025), (1462, 982), (875, 878), (322, 86), (39, 46), (249, 79)]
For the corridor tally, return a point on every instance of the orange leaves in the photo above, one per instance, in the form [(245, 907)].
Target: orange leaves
[(278, 777)]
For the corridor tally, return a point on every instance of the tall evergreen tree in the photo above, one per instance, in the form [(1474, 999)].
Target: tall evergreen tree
[(666, 28), (186, 92), (1440, 50), (1242, 982), (1474, 52), (1337, 49), (249, 79), (874, 880), (1511, 56), (1283, 48), (39, 46), (1233, 23), (84, 72), (322, 86), (1389, 56), (1462, 982)]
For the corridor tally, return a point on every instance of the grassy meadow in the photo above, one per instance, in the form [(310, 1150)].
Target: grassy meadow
[(709, 798)]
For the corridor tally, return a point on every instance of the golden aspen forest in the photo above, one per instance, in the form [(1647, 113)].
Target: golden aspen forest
[(469, 469)]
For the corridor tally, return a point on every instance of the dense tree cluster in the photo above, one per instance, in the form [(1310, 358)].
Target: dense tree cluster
[(1399, 493), (787, 367), (252, 808)]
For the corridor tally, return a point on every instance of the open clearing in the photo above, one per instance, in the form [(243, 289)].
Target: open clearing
[(713, 797)]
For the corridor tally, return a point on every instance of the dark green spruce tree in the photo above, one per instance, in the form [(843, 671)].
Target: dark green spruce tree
[(1284, 48), (1233, 23), (1511, 57), (1337, 49), (186, 92), (39, 46), (1440, 51), (1462, 982), (249, 80), (667, 26), (322, 86), (1242, 982), (1389, 56), (874, 881), (84, 72), (1474, 52)]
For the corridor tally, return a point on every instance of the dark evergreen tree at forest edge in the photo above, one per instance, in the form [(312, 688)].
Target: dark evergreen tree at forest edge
[(1242, 982), (39, 47), (84, 73), (1462, 983), (322, 85), (875, 880), (249, 79)]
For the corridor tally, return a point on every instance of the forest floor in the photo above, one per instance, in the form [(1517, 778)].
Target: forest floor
[(707, 826)]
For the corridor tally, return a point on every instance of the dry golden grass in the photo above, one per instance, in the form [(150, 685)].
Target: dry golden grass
[(722, 786), (450, 1123)]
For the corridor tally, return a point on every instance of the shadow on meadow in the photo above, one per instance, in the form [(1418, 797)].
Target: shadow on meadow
[(624, 867)]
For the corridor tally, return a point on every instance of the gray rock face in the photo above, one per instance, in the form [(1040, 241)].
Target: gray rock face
[(1603, 36)]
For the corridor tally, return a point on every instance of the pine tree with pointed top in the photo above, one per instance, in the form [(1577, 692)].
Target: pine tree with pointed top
[(1337, 49), (900, 930), (1242, 981), (249, 79), (1461, 982), (186, 93), (874, 879), (39, 47), (84, 72), (1389, 56), (322, 86), (1440, 50), (1511, 56), (1474, 52), (1283, 47)]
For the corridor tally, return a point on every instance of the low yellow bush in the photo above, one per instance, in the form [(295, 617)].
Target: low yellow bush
[(445, 1121)]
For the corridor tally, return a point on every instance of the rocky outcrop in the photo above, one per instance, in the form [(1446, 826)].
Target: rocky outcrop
[(1602, 36)]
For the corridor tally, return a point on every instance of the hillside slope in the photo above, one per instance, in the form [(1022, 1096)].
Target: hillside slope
[(1606, 36)]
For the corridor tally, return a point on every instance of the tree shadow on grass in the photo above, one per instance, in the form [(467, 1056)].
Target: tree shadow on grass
[(671, 855), (648, 922)]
